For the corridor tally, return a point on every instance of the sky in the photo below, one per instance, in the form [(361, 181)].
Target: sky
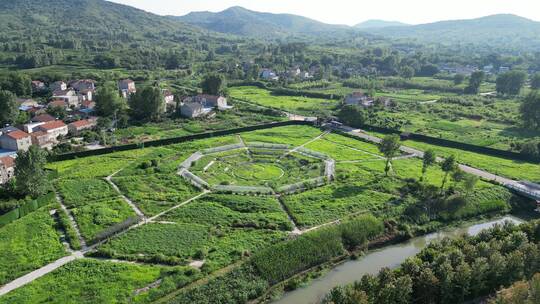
[(353, 11)]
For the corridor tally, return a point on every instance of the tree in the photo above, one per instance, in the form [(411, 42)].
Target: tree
[(389, 147), (352, 116), (8, 108), (429, 160), (470, 182), (428, 70), (30, 176), (18, 83), (474, 82), (530, 111), (458, 79), (448, 166), (213, 84), (511, 83), (535, 81), (108, 101), (147, 104), (407, 72)]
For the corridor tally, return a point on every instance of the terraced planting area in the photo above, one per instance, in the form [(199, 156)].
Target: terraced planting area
[(188, 232)]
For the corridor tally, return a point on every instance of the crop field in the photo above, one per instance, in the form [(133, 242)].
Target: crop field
[(27, 244), (192, 233), (297, 104)]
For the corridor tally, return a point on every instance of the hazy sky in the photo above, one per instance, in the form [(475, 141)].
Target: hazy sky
[(353, 11)]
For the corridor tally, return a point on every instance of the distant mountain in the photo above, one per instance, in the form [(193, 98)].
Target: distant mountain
[(375, 23), (244, 22), (495, 30)]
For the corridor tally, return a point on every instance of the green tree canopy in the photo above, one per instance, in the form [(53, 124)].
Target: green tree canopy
[(147, 104), (8, 108), (352, 116), (535, 81), (530, 111), (428, 160), (213, 84), (448, 166), (511, 83), (18, 83), (108, 101), (30, 176), (389, 147), (475, 81)]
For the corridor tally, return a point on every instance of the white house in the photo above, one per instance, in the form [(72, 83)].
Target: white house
[(15, 140), (54, 129), (193, 110), (357, 99), (211, 101), (127, 87), (268, 74), (69, 96), (58, 85), (7, 169)]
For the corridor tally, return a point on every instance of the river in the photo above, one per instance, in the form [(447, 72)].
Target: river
[(390, 256)]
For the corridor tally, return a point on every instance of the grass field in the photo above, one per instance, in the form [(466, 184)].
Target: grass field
[(296, 104)]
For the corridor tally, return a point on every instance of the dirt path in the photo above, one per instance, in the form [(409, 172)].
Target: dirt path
[(71, 220), (125, 198)]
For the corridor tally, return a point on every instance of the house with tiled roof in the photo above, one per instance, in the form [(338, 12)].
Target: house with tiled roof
[(43, 140), (69, 96), (7, 169), (58, 85), (76, 127), (55, 129), (57, 103), (15, 140), (38, 86), (127, 87), (211, 101), (43, 118)]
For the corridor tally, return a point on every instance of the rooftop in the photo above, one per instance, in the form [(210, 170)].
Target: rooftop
[(51, 125)]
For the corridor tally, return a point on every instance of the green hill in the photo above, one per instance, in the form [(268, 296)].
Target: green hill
[(498, 31), (240, 21)]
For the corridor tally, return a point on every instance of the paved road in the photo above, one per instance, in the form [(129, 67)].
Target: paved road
[(468, 169), (39, 273)]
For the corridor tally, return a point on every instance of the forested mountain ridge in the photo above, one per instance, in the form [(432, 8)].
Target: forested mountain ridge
[(375, 23), (241, 21), (497, 30), (40, 33)]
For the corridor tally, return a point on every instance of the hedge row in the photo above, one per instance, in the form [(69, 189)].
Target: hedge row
[(26, 209)]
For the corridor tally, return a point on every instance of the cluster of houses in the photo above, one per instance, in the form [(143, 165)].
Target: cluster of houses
[(467, 70), (293, 73), (365, 101), (202, 105)]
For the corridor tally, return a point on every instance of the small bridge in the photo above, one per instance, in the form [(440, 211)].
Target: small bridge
[(526, 189)]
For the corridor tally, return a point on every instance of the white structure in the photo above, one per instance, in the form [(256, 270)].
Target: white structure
[(193, 110), (268, 74), (7, 169), (54, 129), (58, 85), (15, 140), (69, 96), (127, 87)]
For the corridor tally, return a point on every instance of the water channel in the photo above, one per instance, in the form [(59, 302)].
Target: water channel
[(390, 256)]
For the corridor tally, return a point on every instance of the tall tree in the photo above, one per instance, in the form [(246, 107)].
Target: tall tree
[(389, 147), (30, 176), (147, 104), (448, 166), (8, 108), (475, 81), (530, 111), (352, 116), (213, 84), (428, 160), (511, 83), (108, 101)]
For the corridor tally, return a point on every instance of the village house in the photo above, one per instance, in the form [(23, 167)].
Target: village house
[(170, 104), (76, 127), (88, 104), (38, 86), (26, 103), (69, 96), (211, 101), (127, 87), (15, 140), (31, 127), (54, 129), (268, 74), (57, 103), (83, 85), (42, 140), (43, 118), (7, 169), (86, 95), (193, 109), (58, 86), (358, 99)]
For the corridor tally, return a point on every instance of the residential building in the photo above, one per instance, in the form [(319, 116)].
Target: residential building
[(7, 169), (15, 140), (268, 74), (26, 103), (504, 69), (127, 87), (43, 140), (83, 85), (170, 104), (55, 129), (193, 109), (57, 103), (43, 118), (32, 126), (88, 104), (86, 95), (69, 96), (76, 127), (38, 86), (58, 85), (358, 98), (211, 101)]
